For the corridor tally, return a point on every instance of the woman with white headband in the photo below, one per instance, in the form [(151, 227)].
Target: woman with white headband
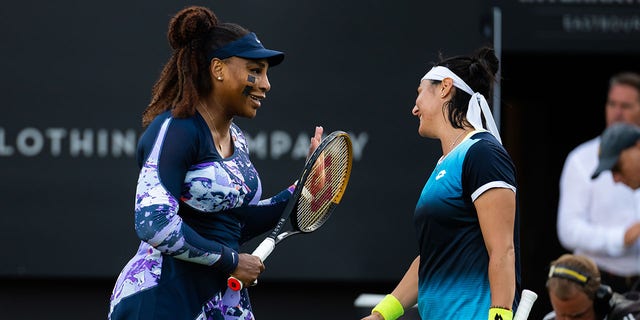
[(466, 218)]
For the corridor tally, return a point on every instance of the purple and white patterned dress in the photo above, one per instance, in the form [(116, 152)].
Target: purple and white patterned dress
[(193, 210)]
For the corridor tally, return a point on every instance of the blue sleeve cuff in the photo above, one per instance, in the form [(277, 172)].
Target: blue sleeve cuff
[(228, 260)]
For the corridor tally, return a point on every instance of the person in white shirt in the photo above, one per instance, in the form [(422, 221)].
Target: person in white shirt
[(598, 217)]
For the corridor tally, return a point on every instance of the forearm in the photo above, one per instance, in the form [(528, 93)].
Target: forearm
[(502, 278), (157, 222), (170, 235), (405, 295), (407, 289), (282, 196), (574, 232)]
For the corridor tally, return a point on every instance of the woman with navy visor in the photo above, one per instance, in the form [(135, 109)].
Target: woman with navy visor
[(198, 196)]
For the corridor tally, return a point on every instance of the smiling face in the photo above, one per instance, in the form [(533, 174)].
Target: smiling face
[(240, 85), (428, 108)]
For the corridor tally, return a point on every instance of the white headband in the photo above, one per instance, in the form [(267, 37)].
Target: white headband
[(477, 105)]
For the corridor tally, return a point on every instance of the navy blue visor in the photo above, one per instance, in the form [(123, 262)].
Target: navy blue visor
[(248, 47)]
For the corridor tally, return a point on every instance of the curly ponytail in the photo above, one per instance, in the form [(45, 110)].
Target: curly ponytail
[(193, 32)]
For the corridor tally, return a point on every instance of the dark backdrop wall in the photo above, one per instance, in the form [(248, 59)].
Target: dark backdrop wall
[(557, 60), (551, 115), (75, 77)]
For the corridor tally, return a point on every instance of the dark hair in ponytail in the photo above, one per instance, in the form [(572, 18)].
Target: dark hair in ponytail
[(479, 72), (193, 33)]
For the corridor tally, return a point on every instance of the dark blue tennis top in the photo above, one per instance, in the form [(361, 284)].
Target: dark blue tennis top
[(193, 210), (453, 276)]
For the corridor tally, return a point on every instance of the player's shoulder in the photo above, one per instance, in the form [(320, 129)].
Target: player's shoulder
[(184, 122), (239, 138), (550, 316), (485, 139), (181, 130), (235, 129), (485, 145)]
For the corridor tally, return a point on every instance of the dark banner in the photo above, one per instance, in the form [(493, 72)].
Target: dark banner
[(75, 77), (575, 26)]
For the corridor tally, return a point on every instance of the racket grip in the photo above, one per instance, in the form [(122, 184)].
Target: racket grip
[(264, 249), (262, 252), (527, 299)]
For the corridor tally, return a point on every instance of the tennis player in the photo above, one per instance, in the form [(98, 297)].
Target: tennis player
[(198, 196), (466, 217)]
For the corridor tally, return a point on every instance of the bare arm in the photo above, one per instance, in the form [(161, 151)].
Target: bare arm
[(496, 212)]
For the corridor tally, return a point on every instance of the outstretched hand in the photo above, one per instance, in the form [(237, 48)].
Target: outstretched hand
[(315, 141)]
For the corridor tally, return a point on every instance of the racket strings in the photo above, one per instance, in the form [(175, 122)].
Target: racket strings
[(327, 179)]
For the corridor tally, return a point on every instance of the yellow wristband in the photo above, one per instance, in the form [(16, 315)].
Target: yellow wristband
[(390, 308), (497, 313)]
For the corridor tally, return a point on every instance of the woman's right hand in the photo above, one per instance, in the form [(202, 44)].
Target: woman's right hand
[(374, 316), (248, 269)]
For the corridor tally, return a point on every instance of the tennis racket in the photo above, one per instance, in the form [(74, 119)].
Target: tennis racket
[(527, 299), (318, 191)]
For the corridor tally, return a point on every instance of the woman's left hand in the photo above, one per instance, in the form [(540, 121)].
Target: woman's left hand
[(315, 140)]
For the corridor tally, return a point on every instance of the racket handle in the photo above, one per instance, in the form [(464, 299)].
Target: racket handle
[(262, 252), (264, 249), (234, 284), (526, 302)]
